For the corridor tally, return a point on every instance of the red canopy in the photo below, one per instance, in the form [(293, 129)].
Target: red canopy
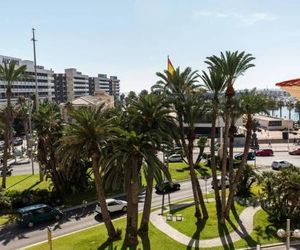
[(289, 83)]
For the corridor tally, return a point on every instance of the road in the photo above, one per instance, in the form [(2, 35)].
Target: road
[(13, 237)]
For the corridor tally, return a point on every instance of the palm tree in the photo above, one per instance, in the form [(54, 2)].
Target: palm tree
[(280, 104), (215, 83), (251, 103), (297, 107), (48, 125), (290, 105), (188, 103), (9, 73), (85, 137), (232, 65)]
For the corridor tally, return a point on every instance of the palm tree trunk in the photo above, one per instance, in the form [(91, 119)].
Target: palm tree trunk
[(224, 168), (144, 227), (280, 109), (241, 166), (25, 124), (131, 237), (213, 163), (101, 198)]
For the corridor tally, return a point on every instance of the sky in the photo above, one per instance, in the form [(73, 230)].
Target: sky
[(132, 38)]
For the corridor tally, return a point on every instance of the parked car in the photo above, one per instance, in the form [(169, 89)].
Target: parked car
[(250, 157), (38, 213), (174, 158), (219, 182), (264, 152), (295, 152), (113, 206), (167, 186), (18, 141), (277, 165)]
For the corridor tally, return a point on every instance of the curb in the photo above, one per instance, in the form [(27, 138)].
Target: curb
[(267, 246)]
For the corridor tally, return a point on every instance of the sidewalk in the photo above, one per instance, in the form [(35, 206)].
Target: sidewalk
[(245, 228)]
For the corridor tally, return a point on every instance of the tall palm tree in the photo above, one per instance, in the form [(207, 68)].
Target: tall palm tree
[(290, 105), (215, 83), (9, 73), (85, 137), (232, 65), (251, 103), (188, 103), (280, 104)]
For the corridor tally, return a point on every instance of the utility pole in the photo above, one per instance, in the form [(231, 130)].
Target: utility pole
[(35, 74)]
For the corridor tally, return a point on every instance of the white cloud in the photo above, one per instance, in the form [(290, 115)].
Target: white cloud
[(247, 19)]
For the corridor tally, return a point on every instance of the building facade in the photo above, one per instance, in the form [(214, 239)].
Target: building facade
[(111, 85), (26, 87), (70, 85)]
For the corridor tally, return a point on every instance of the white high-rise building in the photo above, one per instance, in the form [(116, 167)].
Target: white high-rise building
[(26, 87)]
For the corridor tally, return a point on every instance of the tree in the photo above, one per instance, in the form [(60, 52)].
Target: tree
[(85, 137), (232, 65), (251, 104), (280, 196), (280, 104), (201, 143), (297, 107), (215, 82), (290, 105), (9, 73), (187, 100)]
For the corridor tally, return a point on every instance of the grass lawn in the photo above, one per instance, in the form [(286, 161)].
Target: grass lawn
[(23, 182), (94, 238), (209, 229)]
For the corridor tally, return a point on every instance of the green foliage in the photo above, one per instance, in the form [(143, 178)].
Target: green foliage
[(280, 196), (246, 182)]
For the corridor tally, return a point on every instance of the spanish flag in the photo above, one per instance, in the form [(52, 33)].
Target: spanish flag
[(170, 67)]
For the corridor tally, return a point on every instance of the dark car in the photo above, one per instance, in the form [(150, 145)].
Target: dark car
[(295, 152), (264, 152), (35, 214), (166, 187), (18, 141), (250, 157)]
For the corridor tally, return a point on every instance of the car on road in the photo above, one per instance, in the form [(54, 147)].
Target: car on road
[(113, 205), (264, 152), (295, 152), (18, 141), (250, 157), (167, 187), (174, 158), (277, 165), (219, 182), (38, 213)]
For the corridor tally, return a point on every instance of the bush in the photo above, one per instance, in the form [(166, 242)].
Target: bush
[(280, 196), (5, 204)]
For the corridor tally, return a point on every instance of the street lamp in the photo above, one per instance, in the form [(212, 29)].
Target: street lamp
[(288, 233), (30, 139)]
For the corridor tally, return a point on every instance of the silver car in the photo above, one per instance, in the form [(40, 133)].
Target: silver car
[(277, 165), (113, 206)]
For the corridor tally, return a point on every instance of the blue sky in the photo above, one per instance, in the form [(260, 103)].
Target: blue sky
[(131, 39)]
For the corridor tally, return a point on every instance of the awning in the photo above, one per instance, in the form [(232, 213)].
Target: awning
[(291, 86)]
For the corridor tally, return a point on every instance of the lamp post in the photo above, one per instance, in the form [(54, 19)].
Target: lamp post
[(288, 233), (30, 140)]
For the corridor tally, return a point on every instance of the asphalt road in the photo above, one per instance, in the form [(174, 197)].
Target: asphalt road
[(13, 237)]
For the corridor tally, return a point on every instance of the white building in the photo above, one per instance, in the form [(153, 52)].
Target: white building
[(26, 87)]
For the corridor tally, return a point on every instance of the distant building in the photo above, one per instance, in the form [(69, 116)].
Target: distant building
[(70, 85), (100, 97), (26, 87), (111, 85), (271, 123)]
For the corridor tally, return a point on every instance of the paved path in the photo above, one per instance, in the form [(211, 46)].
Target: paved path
[(245, 228)]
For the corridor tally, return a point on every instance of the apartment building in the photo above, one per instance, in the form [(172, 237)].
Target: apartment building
[(26, 87), (111, 85), (70, 85)]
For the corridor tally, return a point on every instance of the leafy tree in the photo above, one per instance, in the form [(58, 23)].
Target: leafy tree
[(290, 105), (245, 183), (201, 143), (280, 196), (280, 104), (232, 65), (9, 73), (85, 138), (187, 100)]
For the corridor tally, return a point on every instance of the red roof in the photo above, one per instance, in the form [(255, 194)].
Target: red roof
[(289, 83)]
